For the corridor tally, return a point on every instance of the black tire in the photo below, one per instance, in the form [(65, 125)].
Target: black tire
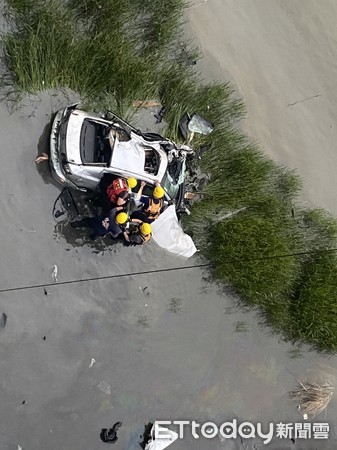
[(150, 137)]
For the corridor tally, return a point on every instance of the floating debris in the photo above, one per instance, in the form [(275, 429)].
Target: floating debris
[(144, 321), (160, 114), (110, 435), (54, 273), (190, 195), (175, 305), (146, 291), (3, 320), (92, 363), (295, 353), (241, 327), (104, 387)]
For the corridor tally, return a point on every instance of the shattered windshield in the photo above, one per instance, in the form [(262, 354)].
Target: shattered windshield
[(170, 188), (174, 176)]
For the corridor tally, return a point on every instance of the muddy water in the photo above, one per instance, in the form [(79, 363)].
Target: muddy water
[(281, 57), (167, 346)]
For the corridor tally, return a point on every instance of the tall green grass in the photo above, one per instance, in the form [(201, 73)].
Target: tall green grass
[(314, 309), (181, 91), (160, 24), (248, 221), (242, 250), (90, 47)]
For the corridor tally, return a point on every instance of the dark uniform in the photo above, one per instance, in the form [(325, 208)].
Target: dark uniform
[(135, 237), (96, 224)]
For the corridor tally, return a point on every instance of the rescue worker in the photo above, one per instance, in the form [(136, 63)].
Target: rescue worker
[(138, 233), (152, 206), (112, 222), (115, 191)]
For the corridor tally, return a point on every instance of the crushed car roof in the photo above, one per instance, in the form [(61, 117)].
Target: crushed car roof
[(132, 156)]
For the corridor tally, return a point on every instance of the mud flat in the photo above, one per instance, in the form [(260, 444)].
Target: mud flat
[(281, 56)]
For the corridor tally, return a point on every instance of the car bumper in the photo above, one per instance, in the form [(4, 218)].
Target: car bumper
[(55, 155)]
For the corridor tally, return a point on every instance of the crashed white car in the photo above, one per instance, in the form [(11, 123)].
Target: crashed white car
[(84, 146)]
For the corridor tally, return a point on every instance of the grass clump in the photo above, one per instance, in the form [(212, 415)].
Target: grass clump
[(243, 251), (315, 303), (34, 53), (312, 398)]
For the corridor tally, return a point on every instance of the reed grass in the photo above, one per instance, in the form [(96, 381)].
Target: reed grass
[(312, 398)]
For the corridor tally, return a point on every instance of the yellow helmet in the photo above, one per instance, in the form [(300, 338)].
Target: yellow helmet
[(132, 182), (158, 192), (121, 218), (145, 229)]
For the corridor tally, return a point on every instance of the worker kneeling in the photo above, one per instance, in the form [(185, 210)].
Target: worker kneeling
[(112, 222), (115, 191), (138, 233), (151, 206)]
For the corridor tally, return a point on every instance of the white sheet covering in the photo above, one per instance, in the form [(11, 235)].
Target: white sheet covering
[(167, 232)]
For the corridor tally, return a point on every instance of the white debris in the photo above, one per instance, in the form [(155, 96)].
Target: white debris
[(105, 387), (19, 447), (92, 362), (305, 416), (54, 272)]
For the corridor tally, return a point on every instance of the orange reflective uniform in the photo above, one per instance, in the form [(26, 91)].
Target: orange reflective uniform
[(115, 188), (153, 210)]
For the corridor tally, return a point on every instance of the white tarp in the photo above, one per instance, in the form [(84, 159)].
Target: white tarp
[(167, 232), (161, 443)]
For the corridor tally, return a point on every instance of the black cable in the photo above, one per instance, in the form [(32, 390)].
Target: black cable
[(83, 280), (170, 269)]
